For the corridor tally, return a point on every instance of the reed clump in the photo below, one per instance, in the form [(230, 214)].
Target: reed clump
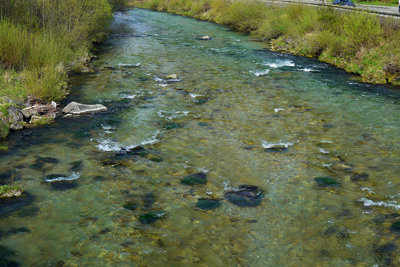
[(43, 40), (360, 42)]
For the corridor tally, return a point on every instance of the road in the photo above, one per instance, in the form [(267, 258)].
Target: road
[(383, 10)]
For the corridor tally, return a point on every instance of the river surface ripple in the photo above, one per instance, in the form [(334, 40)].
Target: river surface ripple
[(228, 172)]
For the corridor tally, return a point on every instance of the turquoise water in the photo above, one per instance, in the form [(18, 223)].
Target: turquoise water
[(237, 114)]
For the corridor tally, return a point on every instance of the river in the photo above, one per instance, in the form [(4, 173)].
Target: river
[(219, 165)]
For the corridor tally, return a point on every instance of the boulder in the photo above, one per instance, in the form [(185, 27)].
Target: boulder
[(35, 119), (15, 126), (28, 113), (15, 114), (13, 102), (172, 76), (77, 108)]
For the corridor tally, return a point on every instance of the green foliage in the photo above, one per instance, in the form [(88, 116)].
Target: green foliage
[(362, 29)]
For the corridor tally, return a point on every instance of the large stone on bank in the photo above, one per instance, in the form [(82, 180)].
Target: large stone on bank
[(15, 126), (77, 108), (15, 114)]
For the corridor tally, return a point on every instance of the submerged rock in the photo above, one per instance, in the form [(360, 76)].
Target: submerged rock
[(172, 125), (5, 254), (385, 253), (77, 108), (62, 182), (195, 179), (395, 227), (156, 159), (341, 167), (9, 205), (201, 100), (108, 68), (172, 76), (130, 66), (359, 176), (41, 161), (13, 231), (137, 151), (326, 182), (208, 204), (151, 217), (131, 206), (167, 80), (149, 199), (245, 196), (76, 166), (276, 149)]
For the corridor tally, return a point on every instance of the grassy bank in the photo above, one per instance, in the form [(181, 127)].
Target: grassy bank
[(359, 42), (42, 41)]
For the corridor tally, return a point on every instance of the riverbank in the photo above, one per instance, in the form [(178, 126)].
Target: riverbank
[(43, 42), (359, 42)]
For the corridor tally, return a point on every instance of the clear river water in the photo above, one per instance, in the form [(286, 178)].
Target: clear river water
[(244, 157)]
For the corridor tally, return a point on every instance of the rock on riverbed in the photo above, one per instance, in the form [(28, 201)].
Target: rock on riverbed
[(77, 108)]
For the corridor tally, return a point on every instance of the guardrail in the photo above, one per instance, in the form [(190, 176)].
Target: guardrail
[(360, 7)]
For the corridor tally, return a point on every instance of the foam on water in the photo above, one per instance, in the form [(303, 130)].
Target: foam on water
[(133, 65), (390, 204), (266, 144), (175, 114), (107, 127), (194, 95), (72, 177), (152, 140), (324, 151), (278, 109), (130, 96), (259, 73), (280, 63), (108, 145), (307, 70)]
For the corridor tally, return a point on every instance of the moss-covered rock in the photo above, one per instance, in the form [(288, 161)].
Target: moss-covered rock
[(208, 204), (326, 182), (195, 179), (245, 196), (151, 217)]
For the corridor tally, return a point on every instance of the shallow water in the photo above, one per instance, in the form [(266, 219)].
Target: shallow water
[(239, 113)]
